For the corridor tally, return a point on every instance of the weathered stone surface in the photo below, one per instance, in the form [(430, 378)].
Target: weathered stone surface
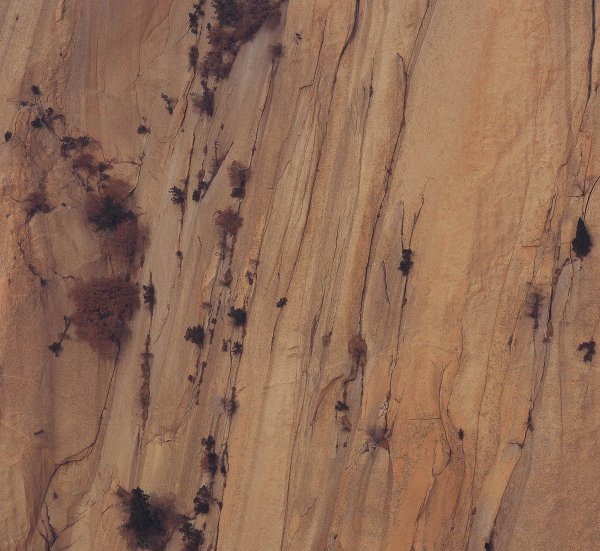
[(464, 131)]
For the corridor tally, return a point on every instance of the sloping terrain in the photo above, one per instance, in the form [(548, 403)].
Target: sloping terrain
[(371, 218)]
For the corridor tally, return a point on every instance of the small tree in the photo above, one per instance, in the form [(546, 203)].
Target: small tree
[(582, 243)]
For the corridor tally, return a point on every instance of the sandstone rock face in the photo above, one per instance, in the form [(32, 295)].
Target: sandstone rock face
[(441, 406)]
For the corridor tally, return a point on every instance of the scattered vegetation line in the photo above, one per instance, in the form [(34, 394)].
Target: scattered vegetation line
[(534, 305), (582, 242)]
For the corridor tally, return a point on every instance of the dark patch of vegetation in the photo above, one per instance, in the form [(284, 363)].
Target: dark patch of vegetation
[(341, 406), (461, 434), (37, 123), (357, 347), (229, 221), (56, 347), (170, 103), (202, 500), (206, 102), (150, 523), (7, 136), (213, 64), (192, 537), (238, 316), (239, 174), (149, 294), (143, 129), (107, 213), (196, 195), (193, 55), (488, 546), (406, 262), (590, 348), (534, 306), (281, 302), (177, 195), (276, 50), (211, 460), (195, 334), (103, 306), (582, 242), (35, 90)]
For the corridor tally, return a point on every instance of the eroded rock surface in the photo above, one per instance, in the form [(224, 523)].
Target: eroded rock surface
[(441, 406)]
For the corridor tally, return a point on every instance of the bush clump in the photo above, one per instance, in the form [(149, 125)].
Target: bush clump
[(192, 537), (238, 316), (103, 307), (195, 334), (150, 524), (107, 212)]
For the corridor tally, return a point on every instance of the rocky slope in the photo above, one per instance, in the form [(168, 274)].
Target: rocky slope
[(441, 406)]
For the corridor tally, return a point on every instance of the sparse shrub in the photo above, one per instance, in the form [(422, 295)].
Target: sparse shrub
[(103, 308), (590, 348), (406, 262), (145, 388), (229, 221), (143, 129), (149, 294), (177, 195), (237, 348), (37, 123), (230, 405), (169, 103), (192, 537), (461, 434), (217, 160), (68, 143), (106, 212), (534, 305), (193, 55), (36, 201), (341, 406), (195, 16), (150, 523), (239, 174), (276, 50), (357, 347), (281, 302), (195, 334), (206, 102), (35, 90), (85, 163), (196, 195), (7, 136), (238, 316), (56, 347), (582, 242)]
